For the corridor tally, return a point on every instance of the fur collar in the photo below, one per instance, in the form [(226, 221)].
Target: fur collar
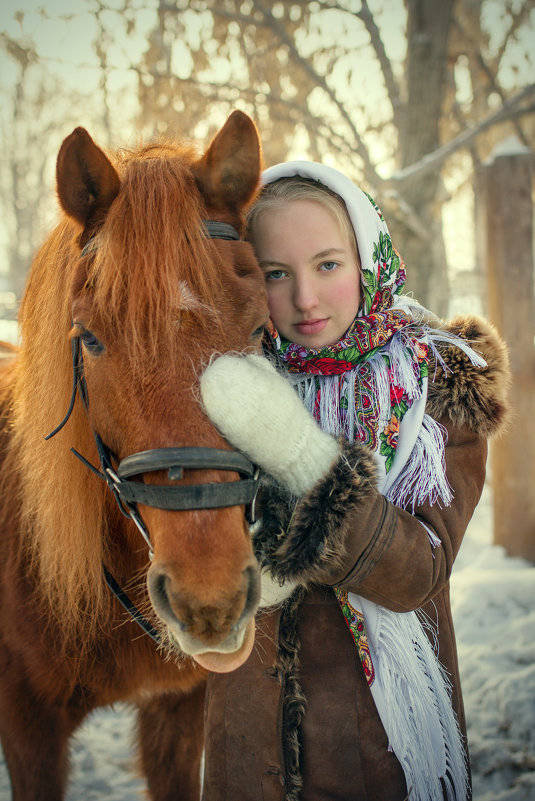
[(463, 394)]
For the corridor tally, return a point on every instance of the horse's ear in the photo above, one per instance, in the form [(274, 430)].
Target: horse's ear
[(87, 183), (229, 172)]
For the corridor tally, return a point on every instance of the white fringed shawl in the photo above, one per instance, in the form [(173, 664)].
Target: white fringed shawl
[(411, 689)]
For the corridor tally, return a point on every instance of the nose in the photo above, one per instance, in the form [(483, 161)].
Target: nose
[(305, 296)]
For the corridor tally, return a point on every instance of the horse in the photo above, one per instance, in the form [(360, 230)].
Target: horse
[(142, 280)]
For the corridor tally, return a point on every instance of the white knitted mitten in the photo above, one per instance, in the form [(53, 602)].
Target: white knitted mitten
[(260, 414)]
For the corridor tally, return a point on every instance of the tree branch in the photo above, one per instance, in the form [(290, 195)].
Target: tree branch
[(491, 71), (392, 86), (433, 161), (320, 81)]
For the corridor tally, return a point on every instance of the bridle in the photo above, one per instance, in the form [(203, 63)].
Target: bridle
[(129, 494)]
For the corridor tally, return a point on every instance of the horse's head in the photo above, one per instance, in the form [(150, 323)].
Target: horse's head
[(152, 298)]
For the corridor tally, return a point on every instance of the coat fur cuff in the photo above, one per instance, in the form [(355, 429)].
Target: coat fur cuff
[(312, 548)]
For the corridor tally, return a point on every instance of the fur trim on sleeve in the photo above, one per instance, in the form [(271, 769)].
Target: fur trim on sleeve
[(276, 504), (465, 394), (309, 542)]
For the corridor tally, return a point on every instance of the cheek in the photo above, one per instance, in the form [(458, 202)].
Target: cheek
[(278, 304), (345, 296)]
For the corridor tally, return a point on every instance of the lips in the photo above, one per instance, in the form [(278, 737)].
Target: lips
[(310, 327)]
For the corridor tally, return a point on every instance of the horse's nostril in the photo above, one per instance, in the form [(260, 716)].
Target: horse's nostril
[(252, 578), (160, 588), (211, 622), (158, 591)]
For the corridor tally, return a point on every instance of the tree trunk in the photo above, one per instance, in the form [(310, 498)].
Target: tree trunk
[(428, 30), (511, 306)]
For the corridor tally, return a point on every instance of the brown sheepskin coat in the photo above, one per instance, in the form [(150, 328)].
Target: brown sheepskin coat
[(298, 721)]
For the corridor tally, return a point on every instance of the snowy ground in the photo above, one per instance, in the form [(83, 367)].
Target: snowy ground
[(494, 608), (493, 599)]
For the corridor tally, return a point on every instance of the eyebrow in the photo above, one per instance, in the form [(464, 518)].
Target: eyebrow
[(321, 255)]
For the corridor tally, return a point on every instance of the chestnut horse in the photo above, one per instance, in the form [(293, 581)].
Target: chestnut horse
[(143, 279)]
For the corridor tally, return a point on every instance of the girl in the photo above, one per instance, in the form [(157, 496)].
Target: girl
[(352, 692)]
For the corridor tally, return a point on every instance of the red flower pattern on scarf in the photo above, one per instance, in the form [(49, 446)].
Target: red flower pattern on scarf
[(326, 366), (396, 394)]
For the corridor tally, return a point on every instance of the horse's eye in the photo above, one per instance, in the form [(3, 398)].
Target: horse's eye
[(91, 343), (258, 332)]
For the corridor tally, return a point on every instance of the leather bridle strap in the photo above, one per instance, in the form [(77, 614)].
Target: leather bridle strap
[(186, 496), (130, 607), (220, 230), (213, 229)]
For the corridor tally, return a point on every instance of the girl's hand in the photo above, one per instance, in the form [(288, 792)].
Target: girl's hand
[(258, 412)]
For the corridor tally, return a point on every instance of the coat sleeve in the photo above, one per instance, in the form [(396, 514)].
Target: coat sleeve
[(388, 550), (345, 533)]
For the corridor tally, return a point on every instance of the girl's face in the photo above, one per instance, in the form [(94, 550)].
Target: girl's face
[(311, 270)]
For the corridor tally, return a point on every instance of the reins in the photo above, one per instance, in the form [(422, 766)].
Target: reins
[(128, 494)]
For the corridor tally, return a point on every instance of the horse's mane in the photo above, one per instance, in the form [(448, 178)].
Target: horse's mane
[(151, 230)]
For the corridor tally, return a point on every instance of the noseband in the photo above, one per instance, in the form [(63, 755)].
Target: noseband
[(129, 494)]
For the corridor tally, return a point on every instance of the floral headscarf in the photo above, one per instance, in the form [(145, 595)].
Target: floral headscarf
[(372, 331)]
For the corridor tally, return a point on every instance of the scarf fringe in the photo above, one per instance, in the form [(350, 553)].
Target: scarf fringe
[(405, 371), (423, 477), (448, 337), (416, 709), (381, 381), (395, 366), (414, 696)]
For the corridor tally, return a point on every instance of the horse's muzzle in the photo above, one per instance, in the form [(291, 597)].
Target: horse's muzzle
[(205, 625)]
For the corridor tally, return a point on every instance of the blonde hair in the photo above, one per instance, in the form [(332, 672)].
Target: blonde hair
[(278, 194)]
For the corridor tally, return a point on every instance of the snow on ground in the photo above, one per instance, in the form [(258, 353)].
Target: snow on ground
[(493, 600)]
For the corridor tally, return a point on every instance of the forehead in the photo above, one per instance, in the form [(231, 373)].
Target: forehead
[(303, 222)]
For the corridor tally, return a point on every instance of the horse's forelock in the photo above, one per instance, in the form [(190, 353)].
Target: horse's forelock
[(152, 260)]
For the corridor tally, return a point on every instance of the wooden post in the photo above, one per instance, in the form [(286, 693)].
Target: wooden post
[(508, 200)]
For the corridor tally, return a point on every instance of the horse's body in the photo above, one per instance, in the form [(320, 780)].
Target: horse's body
[(151, 299)]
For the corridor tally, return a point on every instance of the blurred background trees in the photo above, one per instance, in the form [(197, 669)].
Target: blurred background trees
[(369, 87)]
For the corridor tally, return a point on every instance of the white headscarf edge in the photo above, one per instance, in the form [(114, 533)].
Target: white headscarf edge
[(363, 215)]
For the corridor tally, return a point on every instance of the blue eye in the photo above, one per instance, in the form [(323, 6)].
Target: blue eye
[(275, 275), (90, 342), (328, 266)]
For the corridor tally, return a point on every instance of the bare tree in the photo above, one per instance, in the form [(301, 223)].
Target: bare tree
[(38, 109), (25, 131), (324, 80), (304, 71)]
